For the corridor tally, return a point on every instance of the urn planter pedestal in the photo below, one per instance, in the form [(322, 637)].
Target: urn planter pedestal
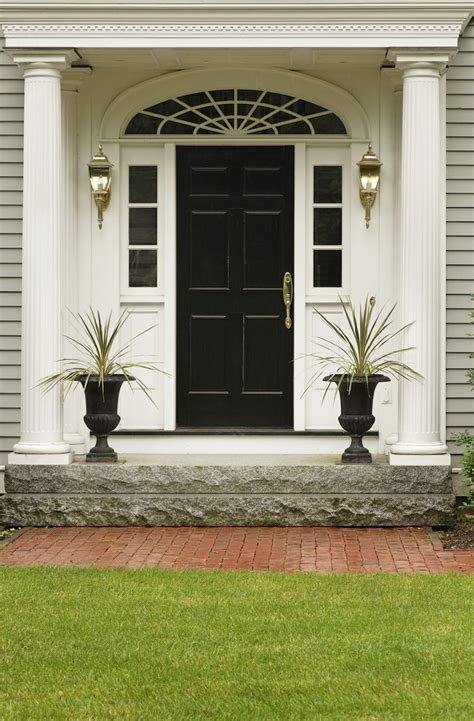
[(101, 414), (356, 417)]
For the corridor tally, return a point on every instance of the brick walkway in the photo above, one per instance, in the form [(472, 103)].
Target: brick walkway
[(362, 550)]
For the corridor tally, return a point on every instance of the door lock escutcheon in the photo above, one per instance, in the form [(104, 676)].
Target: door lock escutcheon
[(288, 297)]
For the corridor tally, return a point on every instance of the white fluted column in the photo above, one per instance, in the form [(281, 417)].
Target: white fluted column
[(420, 271), (74, 429), (41, 413)]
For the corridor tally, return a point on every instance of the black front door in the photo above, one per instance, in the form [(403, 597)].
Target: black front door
[(235, 244)]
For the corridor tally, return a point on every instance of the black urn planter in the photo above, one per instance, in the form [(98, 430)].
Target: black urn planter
[(101, 414), (356, 412)]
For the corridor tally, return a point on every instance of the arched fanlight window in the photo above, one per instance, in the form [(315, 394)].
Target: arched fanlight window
[(235, 112)]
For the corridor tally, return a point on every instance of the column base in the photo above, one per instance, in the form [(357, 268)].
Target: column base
[(41, 459), (41, 454), (415, 459)]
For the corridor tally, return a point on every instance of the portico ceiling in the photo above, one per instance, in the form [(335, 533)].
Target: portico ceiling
[(221, 24), (184, 58)]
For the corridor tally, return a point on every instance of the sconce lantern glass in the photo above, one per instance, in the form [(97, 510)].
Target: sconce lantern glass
[(100, 176), (369, 168)]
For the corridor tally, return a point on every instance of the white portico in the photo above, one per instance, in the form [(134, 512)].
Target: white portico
[(376, 67)]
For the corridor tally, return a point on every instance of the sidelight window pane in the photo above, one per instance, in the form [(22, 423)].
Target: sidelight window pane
[(327, 268), (142, 267), (143, 184), (327, 228), (142, 226), (328, 184)]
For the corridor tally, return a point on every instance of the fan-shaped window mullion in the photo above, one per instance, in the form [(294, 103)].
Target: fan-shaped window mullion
[(219, 110), (255, 105), (276, 109), (189, 108), (235, 112)]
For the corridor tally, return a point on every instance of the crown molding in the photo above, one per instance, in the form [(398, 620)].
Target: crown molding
[(367, 24)]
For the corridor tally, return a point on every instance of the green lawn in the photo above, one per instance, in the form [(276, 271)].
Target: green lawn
[(139, 645)]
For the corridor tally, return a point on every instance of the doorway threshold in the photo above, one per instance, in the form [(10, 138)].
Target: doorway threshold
[(236, 440), (232, 432)]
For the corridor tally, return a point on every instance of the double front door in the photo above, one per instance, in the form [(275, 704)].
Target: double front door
[(235, 268)]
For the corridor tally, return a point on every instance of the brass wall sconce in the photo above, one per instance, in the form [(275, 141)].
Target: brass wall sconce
[(100, 176), (369, 168)]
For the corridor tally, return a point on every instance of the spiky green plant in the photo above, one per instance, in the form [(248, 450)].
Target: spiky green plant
[(99, 355), (362, 350)]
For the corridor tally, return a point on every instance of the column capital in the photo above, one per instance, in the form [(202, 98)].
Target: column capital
[(37, 59), (425, 62)]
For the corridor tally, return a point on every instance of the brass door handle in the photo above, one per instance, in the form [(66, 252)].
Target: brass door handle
[(288, 297)]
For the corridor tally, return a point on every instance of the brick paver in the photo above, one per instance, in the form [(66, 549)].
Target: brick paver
[(356, 550)]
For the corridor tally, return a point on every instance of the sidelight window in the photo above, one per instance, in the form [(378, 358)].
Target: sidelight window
[(142, 226), (327, 226)]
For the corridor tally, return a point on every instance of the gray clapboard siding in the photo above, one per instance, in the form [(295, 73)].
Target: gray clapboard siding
[(11, 144), (460, 238)]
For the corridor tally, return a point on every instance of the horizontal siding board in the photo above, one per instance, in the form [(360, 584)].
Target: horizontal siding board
[(9, 430), (10, 299), (10, 270), (461, 405), (458, 102), (12, 114), (11, 415), (8, 212), (11, 387), (12, 142), (11, 170), (458, 390), (461, 330), (10, 327), (10, 127), (11, 343), (11, 85), (10, 255), (460, 301), (459, 200), (461, 257), (456, 130), (9, 357), (462, 187), (459, 287), (9, 400), (460, 345), (455, 242), (461, 157), (459, 316), (10, 240), (460, 272), (459, 172), (461, 228), (11, 197), (12, 184), (461, 72), (460, 87), (463, 420), (12, 373), (11, 100), (460, 215), (11, 155), (459, 361), (460, 142)]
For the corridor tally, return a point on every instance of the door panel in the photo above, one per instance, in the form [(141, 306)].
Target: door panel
[(235, 242)]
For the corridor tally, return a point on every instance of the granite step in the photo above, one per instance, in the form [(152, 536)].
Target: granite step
[(229, 491)]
